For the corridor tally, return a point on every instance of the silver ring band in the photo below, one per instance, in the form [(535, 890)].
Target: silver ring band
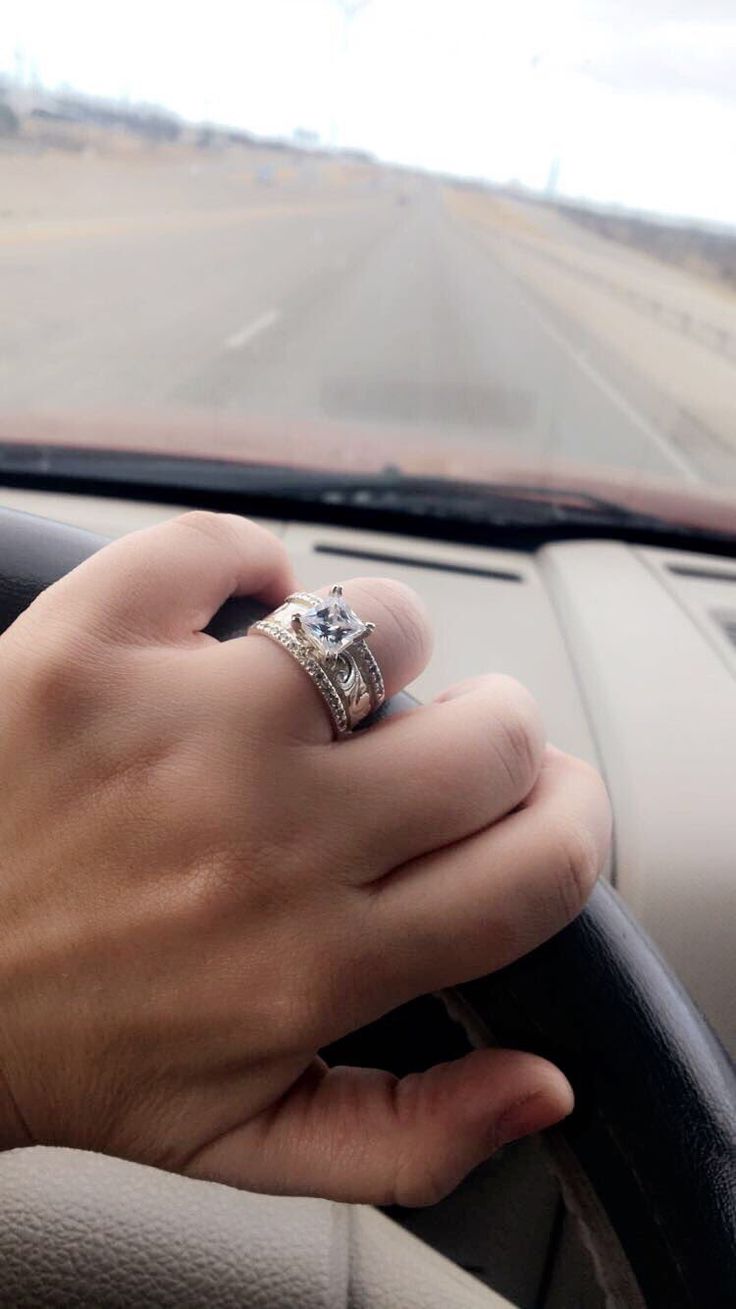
[(327, 639)]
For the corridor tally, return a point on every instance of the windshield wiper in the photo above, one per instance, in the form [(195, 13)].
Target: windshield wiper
[(507, 513), (497, 502)]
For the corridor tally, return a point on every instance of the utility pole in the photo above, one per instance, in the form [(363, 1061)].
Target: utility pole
[(19, 60), (553, 177), (351, 7), (349, 10)]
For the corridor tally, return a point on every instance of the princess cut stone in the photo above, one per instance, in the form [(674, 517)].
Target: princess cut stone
[(332, 625)]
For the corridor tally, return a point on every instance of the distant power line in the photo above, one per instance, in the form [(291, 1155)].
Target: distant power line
[(351, 7)]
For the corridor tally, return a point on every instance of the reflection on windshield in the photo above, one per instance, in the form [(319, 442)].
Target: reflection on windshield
[(441, 241)]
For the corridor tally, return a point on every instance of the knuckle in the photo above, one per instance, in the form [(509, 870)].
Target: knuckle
[(233, 535), (578, 863), (215, 527), (420, 1178), (520, 738)]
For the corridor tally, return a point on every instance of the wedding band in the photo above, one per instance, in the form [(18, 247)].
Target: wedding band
[(326, 638)]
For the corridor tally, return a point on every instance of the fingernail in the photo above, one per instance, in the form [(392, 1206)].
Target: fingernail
[(526, 1116)]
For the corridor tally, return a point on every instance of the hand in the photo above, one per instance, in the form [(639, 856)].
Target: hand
[(200, 888)]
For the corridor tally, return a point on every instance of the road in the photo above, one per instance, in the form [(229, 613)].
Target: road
[(363, 305)]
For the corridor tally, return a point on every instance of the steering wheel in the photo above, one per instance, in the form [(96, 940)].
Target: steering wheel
[(648, 1158)]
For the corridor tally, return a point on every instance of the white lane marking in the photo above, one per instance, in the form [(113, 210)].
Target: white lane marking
[(253, 329), (580, 357)]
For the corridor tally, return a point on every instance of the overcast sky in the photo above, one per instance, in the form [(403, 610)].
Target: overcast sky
[(637, 101)]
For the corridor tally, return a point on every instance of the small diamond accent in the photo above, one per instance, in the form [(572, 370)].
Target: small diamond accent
[(332, 625), (296, 648)]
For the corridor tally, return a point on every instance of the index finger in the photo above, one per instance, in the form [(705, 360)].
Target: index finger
[(167, 581)]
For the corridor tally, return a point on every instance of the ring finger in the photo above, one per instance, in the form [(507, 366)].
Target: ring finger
[(288, 699)]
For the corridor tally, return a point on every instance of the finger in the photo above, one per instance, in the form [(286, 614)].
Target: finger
[(169, 580), (289, 699), (434, 776), (468, 910), (360, 1135)]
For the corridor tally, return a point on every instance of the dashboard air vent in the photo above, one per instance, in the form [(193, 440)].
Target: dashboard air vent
[(727, 622), (700, 573), (411, 561)]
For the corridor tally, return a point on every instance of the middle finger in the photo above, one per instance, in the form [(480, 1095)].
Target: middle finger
[(430, 778)]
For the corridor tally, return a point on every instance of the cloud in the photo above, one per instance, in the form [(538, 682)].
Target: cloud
[(671, 58), (636, 99)]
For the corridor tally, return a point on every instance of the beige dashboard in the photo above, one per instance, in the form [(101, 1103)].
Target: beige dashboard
[(632, 654)]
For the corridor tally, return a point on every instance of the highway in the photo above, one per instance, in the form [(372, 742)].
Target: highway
[(370, 305)]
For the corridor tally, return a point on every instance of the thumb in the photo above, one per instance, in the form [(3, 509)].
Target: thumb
[(360, 1135)]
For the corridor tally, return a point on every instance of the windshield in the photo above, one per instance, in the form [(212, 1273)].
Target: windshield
[(466, 239)]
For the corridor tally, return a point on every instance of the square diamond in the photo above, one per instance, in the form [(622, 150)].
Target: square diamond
[(332, 625)]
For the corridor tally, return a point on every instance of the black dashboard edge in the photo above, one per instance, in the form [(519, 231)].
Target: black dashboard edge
[(523, 537)]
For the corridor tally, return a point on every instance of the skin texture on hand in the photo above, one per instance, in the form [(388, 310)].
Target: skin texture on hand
[(200, 888)]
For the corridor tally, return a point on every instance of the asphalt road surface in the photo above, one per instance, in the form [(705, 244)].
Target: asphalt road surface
[(368, 306)]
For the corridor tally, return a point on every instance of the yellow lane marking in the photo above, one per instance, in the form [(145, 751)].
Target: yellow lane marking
[(481, 207), (150, 224)]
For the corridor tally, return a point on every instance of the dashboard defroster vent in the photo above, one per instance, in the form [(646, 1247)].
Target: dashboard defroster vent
[(701, 573), (412, 561), (726, 620)]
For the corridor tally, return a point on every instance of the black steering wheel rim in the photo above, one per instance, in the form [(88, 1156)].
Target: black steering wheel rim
[(651, 1146)]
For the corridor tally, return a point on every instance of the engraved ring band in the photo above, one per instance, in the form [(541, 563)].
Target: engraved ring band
[(327, 639)]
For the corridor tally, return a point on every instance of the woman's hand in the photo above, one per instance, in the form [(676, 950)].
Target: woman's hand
[(199, 888)]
